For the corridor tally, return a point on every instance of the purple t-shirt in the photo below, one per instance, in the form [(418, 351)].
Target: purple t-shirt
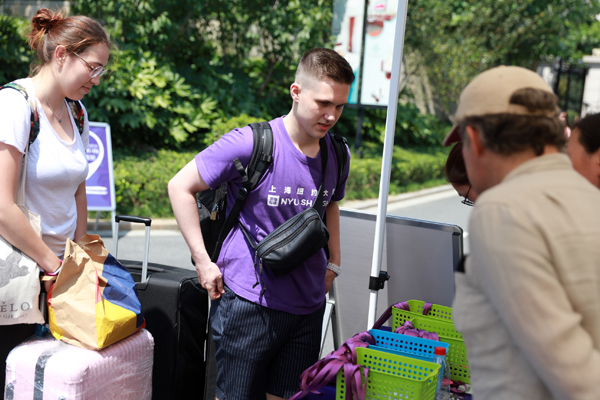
[(289, 186)]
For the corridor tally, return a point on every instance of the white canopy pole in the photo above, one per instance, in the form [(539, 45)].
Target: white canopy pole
[(388, 149)]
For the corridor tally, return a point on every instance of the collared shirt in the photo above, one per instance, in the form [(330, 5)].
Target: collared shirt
[(528, 305)]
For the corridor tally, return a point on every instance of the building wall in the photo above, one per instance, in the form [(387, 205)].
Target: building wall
[(29, 8), (591, 93)]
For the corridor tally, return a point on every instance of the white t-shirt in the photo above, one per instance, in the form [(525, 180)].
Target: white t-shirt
[(55, 168)]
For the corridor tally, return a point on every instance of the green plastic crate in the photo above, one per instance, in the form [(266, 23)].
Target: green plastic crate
[(437, 312), (457, 354), (393, 377)]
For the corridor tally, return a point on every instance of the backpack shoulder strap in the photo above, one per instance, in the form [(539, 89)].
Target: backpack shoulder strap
[(261, 158), (262, 152), (340, 145), (34, 130), (77, 112)]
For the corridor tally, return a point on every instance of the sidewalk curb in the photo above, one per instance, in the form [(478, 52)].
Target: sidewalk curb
[(157, 224), (171, 224), (363, 204)]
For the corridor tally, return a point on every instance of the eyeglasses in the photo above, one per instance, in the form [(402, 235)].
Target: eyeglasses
[(466, 201), (94, 72)]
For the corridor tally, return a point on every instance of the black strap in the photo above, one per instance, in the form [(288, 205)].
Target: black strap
[(259, 162), (340, 145), (261, 159), (317, 205)]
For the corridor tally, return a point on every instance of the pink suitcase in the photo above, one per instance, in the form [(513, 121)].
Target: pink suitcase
[(45, 369)]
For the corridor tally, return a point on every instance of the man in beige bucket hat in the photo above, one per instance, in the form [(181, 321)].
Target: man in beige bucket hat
[(528, 299)]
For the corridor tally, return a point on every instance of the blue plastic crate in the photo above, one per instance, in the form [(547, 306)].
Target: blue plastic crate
[(422, 349)]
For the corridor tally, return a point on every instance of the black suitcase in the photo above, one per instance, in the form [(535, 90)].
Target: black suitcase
[(210, 378), (175, 307)]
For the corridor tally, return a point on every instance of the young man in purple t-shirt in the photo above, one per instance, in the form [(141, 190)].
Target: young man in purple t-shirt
[(264, 343)]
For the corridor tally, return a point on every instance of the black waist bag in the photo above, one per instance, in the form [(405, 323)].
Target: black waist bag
[(294, 241)]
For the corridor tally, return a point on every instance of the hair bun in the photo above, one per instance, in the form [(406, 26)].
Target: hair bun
[(45, 19), (53, 21)]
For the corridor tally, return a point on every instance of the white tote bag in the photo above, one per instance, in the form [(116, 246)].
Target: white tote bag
[(19, 274)]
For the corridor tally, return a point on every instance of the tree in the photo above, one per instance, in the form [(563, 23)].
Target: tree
[(14, 51), (457, 39), (184, 65)]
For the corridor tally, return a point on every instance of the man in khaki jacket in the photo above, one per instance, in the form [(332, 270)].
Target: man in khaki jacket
[(528, 301)]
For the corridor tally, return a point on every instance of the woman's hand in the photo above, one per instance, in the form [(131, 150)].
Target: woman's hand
[(14, 226), (48, 285)]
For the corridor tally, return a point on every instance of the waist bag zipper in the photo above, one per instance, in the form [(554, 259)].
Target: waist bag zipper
[(289, 239), (275, 247)]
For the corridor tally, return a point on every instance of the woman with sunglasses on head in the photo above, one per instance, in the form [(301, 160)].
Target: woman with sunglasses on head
[(73, 54), (456, 174)]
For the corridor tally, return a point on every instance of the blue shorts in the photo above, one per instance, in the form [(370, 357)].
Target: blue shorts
[(260, 350)]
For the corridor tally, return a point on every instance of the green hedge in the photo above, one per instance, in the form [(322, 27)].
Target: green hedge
[(411, 170), (141, 178), (141, 181)]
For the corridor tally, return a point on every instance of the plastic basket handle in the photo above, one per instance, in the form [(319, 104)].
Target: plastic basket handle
[(426, 308), (403, 305), (388, 313)]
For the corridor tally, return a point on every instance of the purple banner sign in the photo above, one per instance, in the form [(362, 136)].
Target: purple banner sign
[(100, 184)]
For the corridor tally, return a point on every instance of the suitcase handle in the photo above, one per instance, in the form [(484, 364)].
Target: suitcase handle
[(137, 220), (133, 218)]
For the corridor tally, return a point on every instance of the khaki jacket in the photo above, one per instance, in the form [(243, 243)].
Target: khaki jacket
[(528, 304)]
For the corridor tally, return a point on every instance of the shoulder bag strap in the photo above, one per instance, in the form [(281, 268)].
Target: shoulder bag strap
[(34, 131), (317, 205)]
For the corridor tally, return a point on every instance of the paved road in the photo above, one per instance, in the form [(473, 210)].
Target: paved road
[(443, 206), (166, 247)]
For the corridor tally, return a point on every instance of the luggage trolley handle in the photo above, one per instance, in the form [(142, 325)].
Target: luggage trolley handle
[(137, 220)]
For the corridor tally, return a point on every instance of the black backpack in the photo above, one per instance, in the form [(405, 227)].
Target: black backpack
[(215, 224)]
